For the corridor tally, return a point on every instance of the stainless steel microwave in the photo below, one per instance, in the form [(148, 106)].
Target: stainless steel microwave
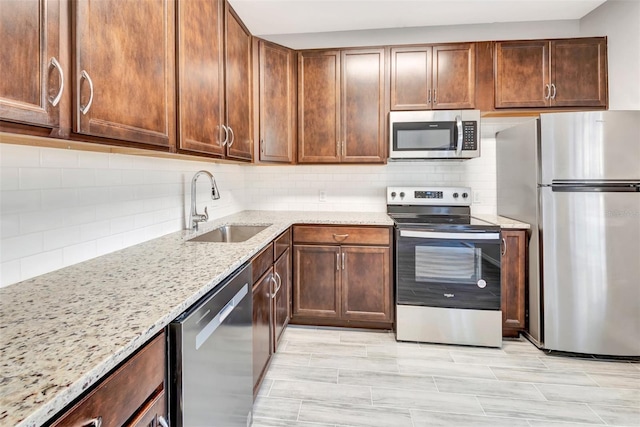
[(435, 134)]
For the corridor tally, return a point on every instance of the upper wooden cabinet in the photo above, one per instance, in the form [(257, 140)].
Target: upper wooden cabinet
[(433, 77), (277, 103), (124, 70), (214, 80), (341, 113), (30, 64), (556, 73)]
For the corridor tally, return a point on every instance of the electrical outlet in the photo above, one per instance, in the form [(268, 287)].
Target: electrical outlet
[(322, 196), (477, 197)]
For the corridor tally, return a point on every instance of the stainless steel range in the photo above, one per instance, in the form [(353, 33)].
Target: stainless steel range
[(447, 266)]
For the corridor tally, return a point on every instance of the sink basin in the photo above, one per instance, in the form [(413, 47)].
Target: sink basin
[(230, 233)]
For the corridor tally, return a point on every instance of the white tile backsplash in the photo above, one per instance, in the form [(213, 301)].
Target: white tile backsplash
[(61, 207)]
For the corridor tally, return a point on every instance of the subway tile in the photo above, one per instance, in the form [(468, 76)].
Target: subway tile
[(41, 263), (9, 225), (59, 198), (95, 230), (345, 414), (445, 419), (122, 224), (55, 157), (20, 246), (109, 244), (552, 411), (40, 178), (60, 237), (80, 252), (9, 178), (9, 273), (77, 178), (590, 395), (121, 161), (20, 201), (13, 155), (108, 177), (93, 160)]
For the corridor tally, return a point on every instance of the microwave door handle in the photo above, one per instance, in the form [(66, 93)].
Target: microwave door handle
[(450, 236), (459, 127)]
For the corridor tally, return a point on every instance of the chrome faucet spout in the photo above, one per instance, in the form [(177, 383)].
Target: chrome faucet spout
[(194, 216)]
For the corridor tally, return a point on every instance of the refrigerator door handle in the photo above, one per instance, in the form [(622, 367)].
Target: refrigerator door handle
[(591, 188)]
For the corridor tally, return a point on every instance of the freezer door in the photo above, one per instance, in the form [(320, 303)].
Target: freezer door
[(591, 278), (600, 145)]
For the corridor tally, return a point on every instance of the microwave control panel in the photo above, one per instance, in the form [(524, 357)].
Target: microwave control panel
[(470, 135)]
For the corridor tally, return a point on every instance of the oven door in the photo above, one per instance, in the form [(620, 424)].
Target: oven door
[(448, 269)]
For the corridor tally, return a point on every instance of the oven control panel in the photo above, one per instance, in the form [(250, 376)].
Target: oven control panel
[(449, 196)]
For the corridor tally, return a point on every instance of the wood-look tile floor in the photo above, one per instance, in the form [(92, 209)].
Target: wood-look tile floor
[(324, 377)]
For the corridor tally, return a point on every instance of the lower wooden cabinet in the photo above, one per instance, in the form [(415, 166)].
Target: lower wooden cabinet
[(133, 395), (514, 265), (271, 269), (342, 276)]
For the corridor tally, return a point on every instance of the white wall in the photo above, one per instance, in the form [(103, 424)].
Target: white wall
[(619, 20), (60, 207)]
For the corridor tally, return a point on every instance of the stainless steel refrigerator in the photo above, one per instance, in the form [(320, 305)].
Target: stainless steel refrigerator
[(575, 177)]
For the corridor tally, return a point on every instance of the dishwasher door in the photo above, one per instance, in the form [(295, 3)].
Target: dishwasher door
[(210, 358)]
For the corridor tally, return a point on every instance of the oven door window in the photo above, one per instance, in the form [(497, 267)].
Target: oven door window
[(448, 273), (436, 136)]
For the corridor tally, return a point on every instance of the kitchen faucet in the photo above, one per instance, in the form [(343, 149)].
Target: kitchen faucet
[(194, 216)]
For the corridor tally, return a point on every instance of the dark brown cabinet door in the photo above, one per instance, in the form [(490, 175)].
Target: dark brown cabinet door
[(277, 100), (262, 318), (238, 87), (200, 95), (513, 268), (411, 78), (366, 290), (125, 70), (579, 73), (363, 112), (454, 76), (316, 280), (318, 107), (522, 74), (282, 300), (30, 64)]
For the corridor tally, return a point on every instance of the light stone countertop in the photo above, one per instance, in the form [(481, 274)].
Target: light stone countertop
[(63, 331), (504, 222)]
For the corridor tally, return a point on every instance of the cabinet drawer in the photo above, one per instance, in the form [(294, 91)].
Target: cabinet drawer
[(342, 235), (282, 242), (149, 415), (123, 392), (261, 262)]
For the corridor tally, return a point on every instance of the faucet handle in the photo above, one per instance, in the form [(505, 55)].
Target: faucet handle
[(206, 214)]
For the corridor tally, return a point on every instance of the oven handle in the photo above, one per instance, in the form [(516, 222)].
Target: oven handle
[(449, 236)]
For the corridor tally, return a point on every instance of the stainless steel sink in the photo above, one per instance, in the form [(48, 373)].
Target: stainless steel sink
[(230, 233)]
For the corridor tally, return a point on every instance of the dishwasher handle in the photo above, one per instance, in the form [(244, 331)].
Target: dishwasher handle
[(217, 320)]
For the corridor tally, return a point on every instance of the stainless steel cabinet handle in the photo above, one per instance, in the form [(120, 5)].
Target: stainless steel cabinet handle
[(272, 279), (279, 280), (54, 100), (449, 236), (96, 422), (429, 96), (435, 97), (548, 95), (504, 247), (343, 255), (226, 135), (262, 146), (553, 94), (233, 136), (162, 421), (340, 237), (337, 262), (84, 109)]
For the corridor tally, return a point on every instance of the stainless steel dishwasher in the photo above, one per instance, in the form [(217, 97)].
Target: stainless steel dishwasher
[(210, 358)]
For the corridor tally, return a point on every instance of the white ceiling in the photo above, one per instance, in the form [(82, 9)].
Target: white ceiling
[(270, 17)]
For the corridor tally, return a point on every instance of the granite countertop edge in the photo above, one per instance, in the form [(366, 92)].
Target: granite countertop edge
[(228, 258)]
